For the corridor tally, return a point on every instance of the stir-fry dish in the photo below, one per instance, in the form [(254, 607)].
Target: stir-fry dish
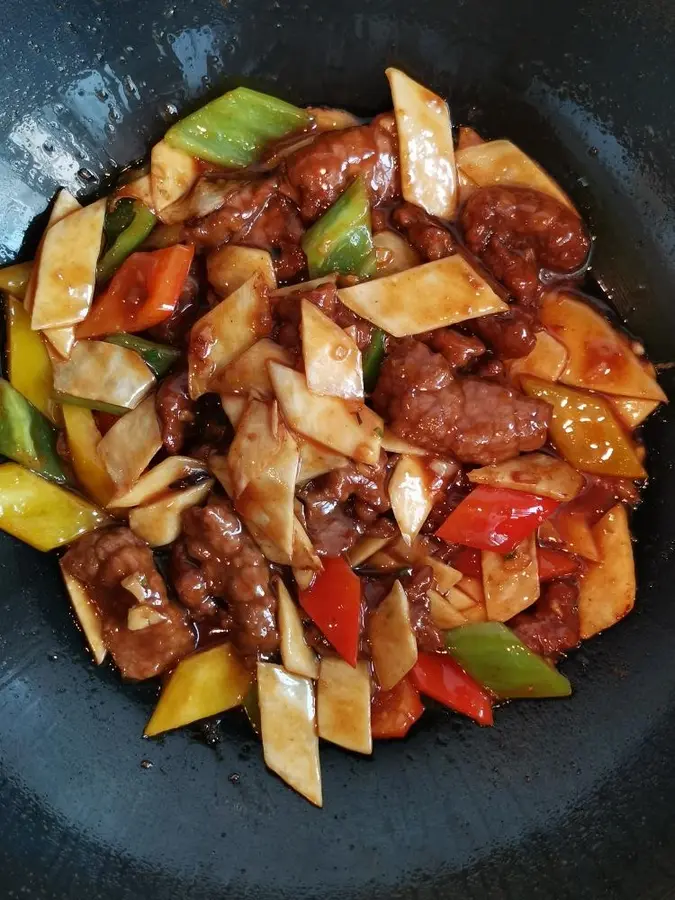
[(324, 423)]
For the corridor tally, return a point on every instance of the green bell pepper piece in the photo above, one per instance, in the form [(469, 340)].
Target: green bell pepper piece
[(341, 240), (158, 357), (493, 655), (372, 360), (28, 437), (233, 130), (127, 240), (98, 405), (14, 279)]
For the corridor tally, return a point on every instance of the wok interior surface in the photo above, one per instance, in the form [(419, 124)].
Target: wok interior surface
[(561, 799)]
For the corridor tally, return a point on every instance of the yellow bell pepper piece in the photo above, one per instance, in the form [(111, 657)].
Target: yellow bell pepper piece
[(203, 684), (585, 430), (30, 369), (83, 439), (14, 279), (43, 514)]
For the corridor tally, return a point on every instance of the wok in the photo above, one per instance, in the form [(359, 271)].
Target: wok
[(563, 798)]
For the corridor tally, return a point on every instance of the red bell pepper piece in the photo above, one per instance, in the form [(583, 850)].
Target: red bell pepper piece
[(555, 564), (440, 677), (393, 712), (468, 562), (333, 603), (498, 519), (143, 292)]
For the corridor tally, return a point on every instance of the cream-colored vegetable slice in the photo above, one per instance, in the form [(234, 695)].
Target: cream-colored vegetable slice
[(203, 684), (268, 498), (65, 280), (172, 174), (533, 473), (159, 523), (231, 266), (225, 332), (316, 460), (473, 587), (468, 137), (234, 407), (64, 205), (426, 147), (139, 189), (304, 554), (104, 373), (207, 196), (248, 373), (129, 446), (393, 253), (343, 700), (256, 442), (87, 616), (443, 614), (392, 443), (501, 162), (288, 726), (392, 640), (62, 340), (330, 119), (305, 285), (365, 548), (445, 576), (633, 411), (546, 360), (296, 655), (510, 582), (600, 359), (577, 534), (410, 495), (451, 289), (332, 359), (327, 420), (607, 588), (158, 480)]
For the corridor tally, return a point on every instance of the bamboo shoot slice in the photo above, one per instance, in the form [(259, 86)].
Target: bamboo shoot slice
[(607, 588), (392, 640), (288, 727), (231, 266), (344, 704), (511, 582), (256, 442), (248, 373), (533, 473), (392, 443), (452, 290), (296, 655), (546, 360), (64, 205), (316, 460), (158, 480), (128, 448), (65, 281), (172, 174), (234, 407), (159, 523), (326, 420), (411, 496), (365, 548), (332, 359), (428, 174), (305, 285), (202, 685), (443, 613), (633, 411), (103, 373), (87, 616)]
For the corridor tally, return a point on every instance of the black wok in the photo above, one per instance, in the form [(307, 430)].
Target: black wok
[(563, 799)]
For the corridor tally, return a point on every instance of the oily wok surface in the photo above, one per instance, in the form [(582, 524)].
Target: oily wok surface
[(564, 799)]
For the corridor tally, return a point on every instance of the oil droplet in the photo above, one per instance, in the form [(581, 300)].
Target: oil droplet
[(146, 764), (101, 94), (47, 147), (87, 176)]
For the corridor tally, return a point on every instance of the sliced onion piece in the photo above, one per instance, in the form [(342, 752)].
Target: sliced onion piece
[(411, 495), (87, 616), (546, 360), (129, 446), (202, 685), (533, 473), (428, 175), (231, 266), (306, 285), (501, 162), (158, 480), (296, 655), (392, 640), (451, 289), (103, 373), (288, 726), (172, 174), (393, 253), (607, 588), (343, 700), (220, 336), (327, 420), (159, 523), (600, 359), (511, 582), (234, 407), (248, 373), (66, 275), (332, 359)]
